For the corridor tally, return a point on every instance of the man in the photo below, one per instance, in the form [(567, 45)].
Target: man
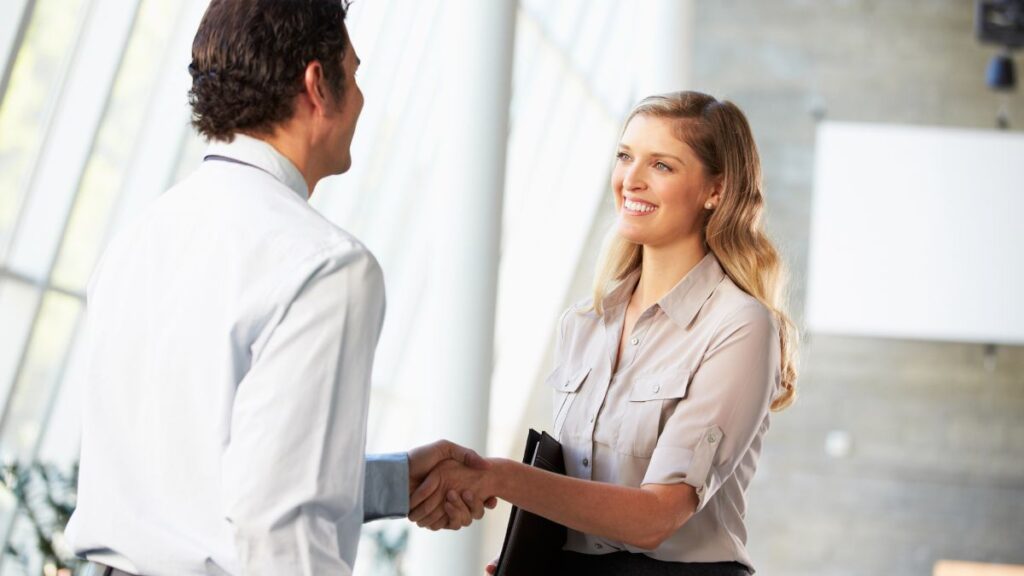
[(232, 331)]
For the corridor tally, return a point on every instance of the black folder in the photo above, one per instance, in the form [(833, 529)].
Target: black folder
[(533, 544)]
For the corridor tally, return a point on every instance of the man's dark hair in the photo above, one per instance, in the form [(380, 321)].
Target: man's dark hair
[(249, 58)]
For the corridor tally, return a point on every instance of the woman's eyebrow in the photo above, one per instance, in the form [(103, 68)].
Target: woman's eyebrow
[(663, 155), (654, 154)]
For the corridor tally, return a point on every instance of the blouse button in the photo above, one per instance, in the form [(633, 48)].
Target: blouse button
[(635, 341), (586, 462), (656, 388), (712, 438)]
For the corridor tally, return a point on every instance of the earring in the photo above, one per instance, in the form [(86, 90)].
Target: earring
[(708, 205)]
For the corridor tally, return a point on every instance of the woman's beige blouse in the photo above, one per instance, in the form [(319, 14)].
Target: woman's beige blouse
[(688, 403)]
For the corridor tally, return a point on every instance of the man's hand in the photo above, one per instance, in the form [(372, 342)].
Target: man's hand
[(450, 511)]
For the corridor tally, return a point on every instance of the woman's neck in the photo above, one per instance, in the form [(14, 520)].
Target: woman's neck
[(663, 267)]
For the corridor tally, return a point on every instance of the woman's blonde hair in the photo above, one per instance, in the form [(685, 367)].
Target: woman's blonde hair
[(720, 136)]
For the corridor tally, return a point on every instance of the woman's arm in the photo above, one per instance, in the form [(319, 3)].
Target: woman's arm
[(641, 517)]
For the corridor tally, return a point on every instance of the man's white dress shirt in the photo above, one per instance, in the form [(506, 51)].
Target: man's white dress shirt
[(231, 335)]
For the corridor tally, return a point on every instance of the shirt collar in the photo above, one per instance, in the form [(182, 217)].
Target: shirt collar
[(619, 295), (262, 155), (685, 299)]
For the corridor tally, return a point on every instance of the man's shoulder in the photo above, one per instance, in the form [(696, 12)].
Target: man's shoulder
[(265, 215), (237, 226)]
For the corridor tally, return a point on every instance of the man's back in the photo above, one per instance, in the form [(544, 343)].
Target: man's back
[(217, 429)]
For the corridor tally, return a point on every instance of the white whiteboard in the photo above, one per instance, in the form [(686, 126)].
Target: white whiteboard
[(917, 232)]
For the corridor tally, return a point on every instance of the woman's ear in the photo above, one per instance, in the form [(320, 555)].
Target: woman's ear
[(715, 191)]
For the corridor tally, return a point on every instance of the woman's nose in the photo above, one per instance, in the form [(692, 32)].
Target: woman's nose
[(633, 178)]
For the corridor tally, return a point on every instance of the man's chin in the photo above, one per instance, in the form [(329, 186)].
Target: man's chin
[(344, 165)]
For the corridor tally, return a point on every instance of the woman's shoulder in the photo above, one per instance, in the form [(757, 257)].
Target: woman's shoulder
[(734, 307), (579, 315), (581, 310)]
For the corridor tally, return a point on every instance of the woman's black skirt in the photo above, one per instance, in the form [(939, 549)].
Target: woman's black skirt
[(627, 564)]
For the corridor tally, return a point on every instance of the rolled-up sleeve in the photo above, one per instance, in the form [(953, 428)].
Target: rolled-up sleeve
[(293, 469), (387, 486), (726, 403)]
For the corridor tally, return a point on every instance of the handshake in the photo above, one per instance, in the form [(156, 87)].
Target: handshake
[(449, 486)]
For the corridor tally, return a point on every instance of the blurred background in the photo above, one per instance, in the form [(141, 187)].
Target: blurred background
[(893, 162)]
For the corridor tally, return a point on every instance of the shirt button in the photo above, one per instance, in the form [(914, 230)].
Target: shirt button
[(586, 462), (712, 438), (635, 341), (592, 419), (656, 388)]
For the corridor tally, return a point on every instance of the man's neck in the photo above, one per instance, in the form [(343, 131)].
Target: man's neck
[(296, 149)]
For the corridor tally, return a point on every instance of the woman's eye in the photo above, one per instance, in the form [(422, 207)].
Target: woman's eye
[(662, 166), (622, 156)]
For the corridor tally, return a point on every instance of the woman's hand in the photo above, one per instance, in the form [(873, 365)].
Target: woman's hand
[(449, 489), (459, 513), (492, 566)]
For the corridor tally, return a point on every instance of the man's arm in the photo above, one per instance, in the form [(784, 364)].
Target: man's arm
[(293, 467), (391, 478)]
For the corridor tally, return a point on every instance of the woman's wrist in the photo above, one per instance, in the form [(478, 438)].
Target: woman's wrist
[(499, 475)]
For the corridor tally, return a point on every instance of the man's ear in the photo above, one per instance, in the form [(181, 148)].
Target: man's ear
[(313, 87)]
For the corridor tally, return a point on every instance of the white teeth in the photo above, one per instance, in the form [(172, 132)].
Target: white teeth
[(638, 207)]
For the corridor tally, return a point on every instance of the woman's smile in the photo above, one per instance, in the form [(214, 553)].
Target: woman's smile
[(637, 207)]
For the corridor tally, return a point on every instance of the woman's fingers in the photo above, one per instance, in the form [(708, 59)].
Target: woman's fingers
[(475, 506)]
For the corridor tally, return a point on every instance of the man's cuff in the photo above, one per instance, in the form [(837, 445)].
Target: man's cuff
[(386, 487)]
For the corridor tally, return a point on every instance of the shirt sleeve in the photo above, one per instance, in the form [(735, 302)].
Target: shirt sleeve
[(726, 404), (386, 492), (557, 397), (293, 469)]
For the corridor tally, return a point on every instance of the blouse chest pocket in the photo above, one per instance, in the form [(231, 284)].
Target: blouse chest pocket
[(651, 399), (566, 384)]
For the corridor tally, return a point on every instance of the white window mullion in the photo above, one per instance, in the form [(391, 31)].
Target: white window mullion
[(14, 18), (155, 163), (69, 141)]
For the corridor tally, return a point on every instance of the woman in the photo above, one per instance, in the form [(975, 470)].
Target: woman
[(665, 379)]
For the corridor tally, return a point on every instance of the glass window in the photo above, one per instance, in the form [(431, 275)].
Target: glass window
[(190, 155), (63, 431), (13, 14), (18, 303), (22, 539), (27, 105), (32, 393), (115, 143), (70, 137)]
